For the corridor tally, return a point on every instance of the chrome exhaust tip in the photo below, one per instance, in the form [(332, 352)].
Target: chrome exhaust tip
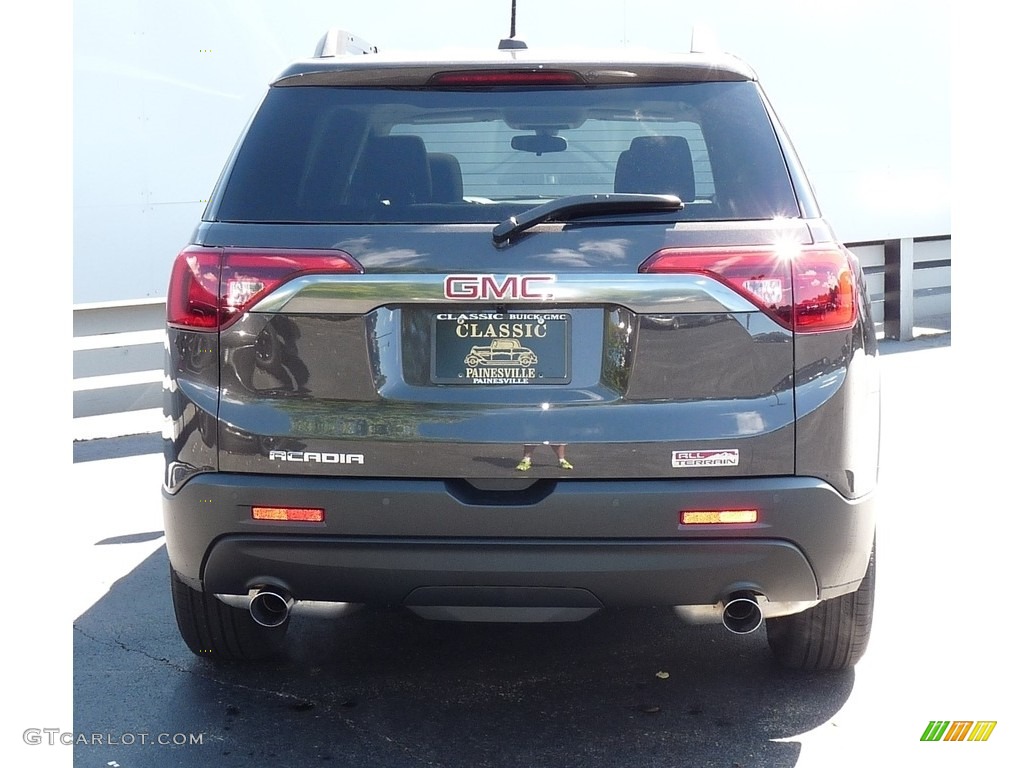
[(742, 614), (270, 608)]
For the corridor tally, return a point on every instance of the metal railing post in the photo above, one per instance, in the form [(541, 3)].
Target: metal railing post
[(898, 307)]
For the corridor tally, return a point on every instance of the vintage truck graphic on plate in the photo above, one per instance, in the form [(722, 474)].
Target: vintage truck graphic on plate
[(501, 352)]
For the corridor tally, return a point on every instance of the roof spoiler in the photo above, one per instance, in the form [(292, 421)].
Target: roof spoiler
[(338, 42)]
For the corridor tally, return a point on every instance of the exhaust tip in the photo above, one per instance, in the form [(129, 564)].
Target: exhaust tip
[(270, 608), (742, 614)]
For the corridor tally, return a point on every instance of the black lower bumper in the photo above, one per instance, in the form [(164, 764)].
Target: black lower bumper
[(580, 543)]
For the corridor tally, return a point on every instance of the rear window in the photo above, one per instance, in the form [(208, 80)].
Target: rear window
[(327, 154)]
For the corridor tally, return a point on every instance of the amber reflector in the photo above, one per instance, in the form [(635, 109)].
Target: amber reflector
[(288, 514), (715, 517)]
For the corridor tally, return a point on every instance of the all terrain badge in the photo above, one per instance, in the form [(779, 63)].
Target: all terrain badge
[(729, 457)]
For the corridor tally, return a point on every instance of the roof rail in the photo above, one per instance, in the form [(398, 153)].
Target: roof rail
[(338, 42)]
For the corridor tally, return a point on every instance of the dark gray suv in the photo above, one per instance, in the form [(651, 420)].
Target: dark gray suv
[(515, 338)]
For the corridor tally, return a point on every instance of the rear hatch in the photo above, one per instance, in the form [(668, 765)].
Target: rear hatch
[(442, 282)]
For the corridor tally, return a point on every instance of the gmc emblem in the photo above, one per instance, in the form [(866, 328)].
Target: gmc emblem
[(492, 288)]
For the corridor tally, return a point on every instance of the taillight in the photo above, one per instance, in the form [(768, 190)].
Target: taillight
[(486, 78), (192, 294), (210, 287), (825, 290), (806, 289)]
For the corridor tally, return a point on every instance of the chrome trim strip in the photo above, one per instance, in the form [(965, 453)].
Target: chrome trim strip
[(641, 293)]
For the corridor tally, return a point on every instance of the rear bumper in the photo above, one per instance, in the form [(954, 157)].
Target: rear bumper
[(568, 543)]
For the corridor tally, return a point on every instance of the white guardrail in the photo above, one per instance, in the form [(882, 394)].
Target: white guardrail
[(119, 346)]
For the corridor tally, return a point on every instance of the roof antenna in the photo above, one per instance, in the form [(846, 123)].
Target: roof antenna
[(510, 43), (703, 40)]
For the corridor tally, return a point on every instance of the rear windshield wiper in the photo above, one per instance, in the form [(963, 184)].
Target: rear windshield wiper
[(576, 206)]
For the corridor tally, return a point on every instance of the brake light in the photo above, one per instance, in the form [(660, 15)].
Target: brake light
[(210, 287), (807, 289), (486, 77)]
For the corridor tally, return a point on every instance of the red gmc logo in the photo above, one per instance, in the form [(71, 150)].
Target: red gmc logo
[(492, 288)]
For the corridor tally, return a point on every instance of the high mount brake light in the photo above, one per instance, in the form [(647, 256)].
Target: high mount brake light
[(210, 287), (487, 77), (807, 289)]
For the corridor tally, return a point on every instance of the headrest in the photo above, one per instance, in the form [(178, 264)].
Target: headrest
[(657, 165), (393, 168), (445, 177)]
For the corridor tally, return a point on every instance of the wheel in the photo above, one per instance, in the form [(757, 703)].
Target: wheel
[(214, 630), (832, 635)]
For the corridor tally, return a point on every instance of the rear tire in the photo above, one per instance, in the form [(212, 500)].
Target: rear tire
[(830, 636), (214, 630)]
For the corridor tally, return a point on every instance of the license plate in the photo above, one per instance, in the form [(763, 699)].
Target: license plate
[(484, 348)]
